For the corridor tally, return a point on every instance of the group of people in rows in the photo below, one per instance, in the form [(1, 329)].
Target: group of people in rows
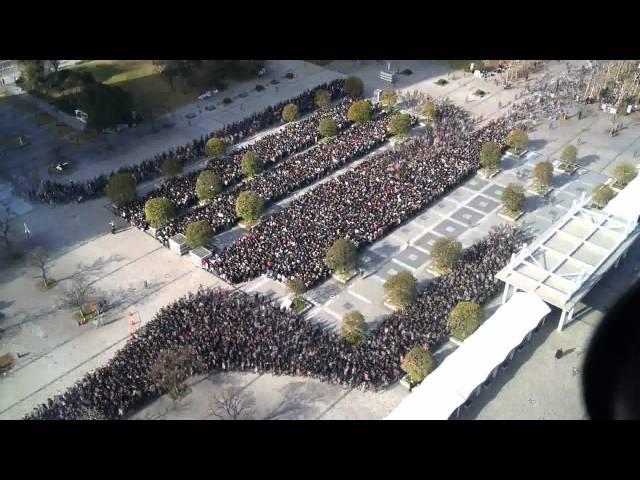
[(290, 175), (362, 204), (62, 192), (270, 149), (234, 331)]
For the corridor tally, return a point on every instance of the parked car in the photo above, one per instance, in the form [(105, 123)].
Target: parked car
[(59, 168), (207, 94)]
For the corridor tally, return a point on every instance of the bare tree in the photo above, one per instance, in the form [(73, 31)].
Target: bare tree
[(232, 404), (5, 225), (78, 294), (172, 367), (40, 260)]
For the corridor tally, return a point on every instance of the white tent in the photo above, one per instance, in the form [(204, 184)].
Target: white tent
[(626, 204), (449, 386)]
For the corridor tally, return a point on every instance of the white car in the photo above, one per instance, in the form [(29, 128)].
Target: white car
[(207, 94)]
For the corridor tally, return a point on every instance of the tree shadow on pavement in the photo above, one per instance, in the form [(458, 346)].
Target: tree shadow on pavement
[(298, 402)]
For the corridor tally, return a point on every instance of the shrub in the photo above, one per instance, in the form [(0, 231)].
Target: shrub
[(289, 75), (171, 167), (490, 156), (445, 253), (479, 92), (208, 185), (354, 328), (359, 111), (327, 127), (353, 86), (517, 140), (401, 289), (298, 304), (417, 364), (296, 286), (215, 147), (441, 82), (121, 188), (428, 112), (400, 124), (342, 256), (322, 99), (601, 195), (389, 99), (543, 173), (249, 206), (569, 156), (513, 198), (158, 211), (198, 233), (624, 173), (289, 112), (250, 164), (464, 319)]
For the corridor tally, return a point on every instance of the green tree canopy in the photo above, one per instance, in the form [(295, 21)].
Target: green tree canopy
[(289, 112), (543, 173), (417, 364), (327, 127), (490, 156), (624, 173), (353, 86), (171, 167), (342, 256), (401, 289), (249, 206), (250, 164), (399, 124), (428, 112), (158, 211), (389, 98), (517, 140), (208, 185), (322, 99), (359, 111), (121, 188), (445, 252), (464, 319), (199, 233), (215, 147), (569, 156), (601, 195), (105, 105), (296, 286), (513, 198), (354, 327)]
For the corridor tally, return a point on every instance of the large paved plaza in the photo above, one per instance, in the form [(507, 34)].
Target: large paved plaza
[(137, 274)]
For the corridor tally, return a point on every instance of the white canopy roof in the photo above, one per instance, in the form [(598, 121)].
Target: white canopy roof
[(446, 388), (626, 204)]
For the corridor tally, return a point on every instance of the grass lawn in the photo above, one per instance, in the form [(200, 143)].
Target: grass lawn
[(458, 64), (148, 88), (43, 118), (10, 141), (61, 130)]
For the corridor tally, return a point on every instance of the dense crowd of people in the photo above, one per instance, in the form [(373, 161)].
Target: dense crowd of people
[(291, 174), (270, 149), (58, 192), (363, 204), (237, 331)]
